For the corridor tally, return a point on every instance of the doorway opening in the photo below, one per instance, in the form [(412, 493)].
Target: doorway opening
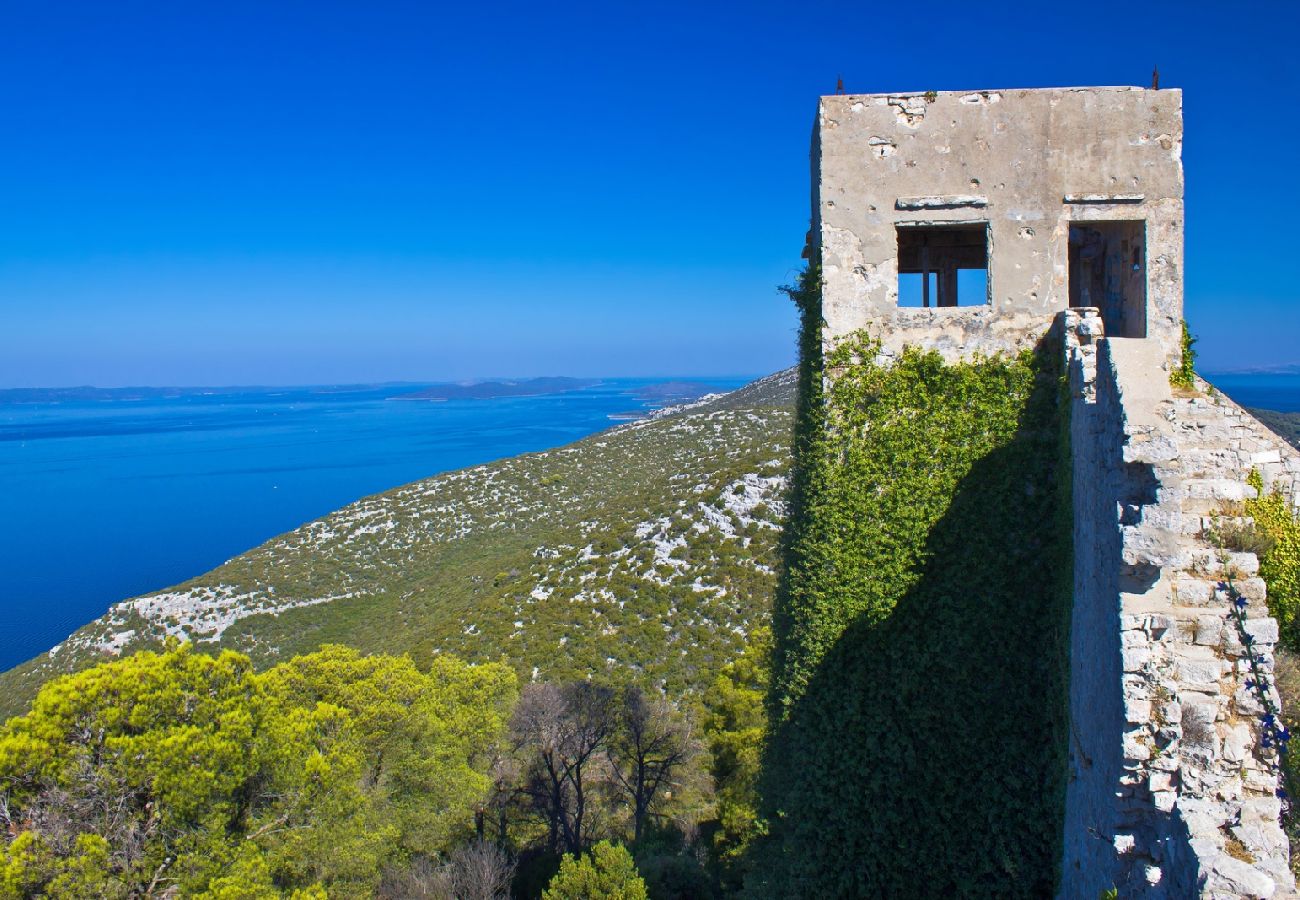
[(1108, 270)]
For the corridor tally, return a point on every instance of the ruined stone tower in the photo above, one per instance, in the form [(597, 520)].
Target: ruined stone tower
[(968, 221), (989, 222)]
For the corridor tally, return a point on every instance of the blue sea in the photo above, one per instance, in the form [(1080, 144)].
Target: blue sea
[(104, 499), (1260, 390)]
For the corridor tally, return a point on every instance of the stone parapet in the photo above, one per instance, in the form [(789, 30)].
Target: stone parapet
[(1172, 791)]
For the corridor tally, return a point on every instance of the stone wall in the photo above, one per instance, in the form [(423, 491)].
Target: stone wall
[(1171, 793)]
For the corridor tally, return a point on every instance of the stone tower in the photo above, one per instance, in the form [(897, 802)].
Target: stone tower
[(976, 223), (967, 221)]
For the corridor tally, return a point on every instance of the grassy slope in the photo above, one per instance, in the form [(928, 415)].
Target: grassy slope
[(649, 548)]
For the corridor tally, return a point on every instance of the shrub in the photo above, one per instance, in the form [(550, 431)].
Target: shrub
[(1185, 375), (607, 872), (1279, 563)]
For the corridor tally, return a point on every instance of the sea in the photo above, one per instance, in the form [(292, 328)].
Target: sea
[(1260, 390), (103, 498)]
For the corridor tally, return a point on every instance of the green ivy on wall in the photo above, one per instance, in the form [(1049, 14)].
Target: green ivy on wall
[(919, 689)]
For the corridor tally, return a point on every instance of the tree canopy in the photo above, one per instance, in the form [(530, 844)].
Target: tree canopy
[(183, 772)]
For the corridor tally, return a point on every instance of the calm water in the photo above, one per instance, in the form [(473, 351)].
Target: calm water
[(1280, 392), (102, 500)]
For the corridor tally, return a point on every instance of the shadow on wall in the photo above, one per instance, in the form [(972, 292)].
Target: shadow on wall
[(926, 754)]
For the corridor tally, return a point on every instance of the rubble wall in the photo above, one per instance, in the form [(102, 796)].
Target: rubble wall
[(1173, 784)]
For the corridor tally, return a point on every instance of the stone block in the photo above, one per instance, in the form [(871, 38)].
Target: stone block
[(1263, 630), (1135, 747), (1253, 589), (1237, 877), (1265, 808), (1199, 673), (1194, 591), (1198, 723), (1134, 658), (1237, 743), (1134, 638), (1137, 711)]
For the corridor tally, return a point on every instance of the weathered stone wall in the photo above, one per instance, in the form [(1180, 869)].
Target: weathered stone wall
[(1096, 685), (1025, 162), (1172, 791)]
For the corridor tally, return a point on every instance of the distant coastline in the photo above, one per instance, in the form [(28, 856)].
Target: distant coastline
[(491, 390)]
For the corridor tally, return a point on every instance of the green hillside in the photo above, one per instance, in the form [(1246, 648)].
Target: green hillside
[(649, 548)]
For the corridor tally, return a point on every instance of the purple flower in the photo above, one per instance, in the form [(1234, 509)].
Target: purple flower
[(1281, 793), (1241, 602)]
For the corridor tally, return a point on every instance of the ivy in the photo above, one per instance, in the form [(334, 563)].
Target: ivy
[(919, 689)]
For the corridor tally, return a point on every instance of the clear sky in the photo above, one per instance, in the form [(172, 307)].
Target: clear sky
[(293, 192)]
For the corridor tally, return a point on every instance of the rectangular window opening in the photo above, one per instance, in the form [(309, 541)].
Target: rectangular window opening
[(1108, 270), (943, 265)]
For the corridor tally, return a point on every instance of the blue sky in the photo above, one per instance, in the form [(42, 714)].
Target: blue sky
[(291, 192)]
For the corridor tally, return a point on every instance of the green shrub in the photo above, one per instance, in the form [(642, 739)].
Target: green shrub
[(607, 872), (1185, 375), (1279, 560)]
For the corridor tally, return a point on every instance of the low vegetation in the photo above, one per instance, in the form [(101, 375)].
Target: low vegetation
[(1184, 375), (646, 551)]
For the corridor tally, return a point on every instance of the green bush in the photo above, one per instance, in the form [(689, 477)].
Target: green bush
[(1185, 375), (1279, 559), (607, 872)]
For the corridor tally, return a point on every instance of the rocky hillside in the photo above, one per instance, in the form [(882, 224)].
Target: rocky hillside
[(649, 548)]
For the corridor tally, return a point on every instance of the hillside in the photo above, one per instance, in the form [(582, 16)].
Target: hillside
[(1286, 424), (647, 548)]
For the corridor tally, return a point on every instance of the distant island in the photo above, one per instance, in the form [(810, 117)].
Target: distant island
[(482, 390), (486, 390)]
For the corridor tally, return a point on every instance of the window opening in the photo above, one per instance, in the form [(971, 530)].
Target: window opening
[(942, 265)]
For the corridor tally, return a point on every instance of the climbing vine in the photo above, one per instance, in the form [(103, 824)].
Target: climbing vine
[(1273, 730), (918, 697)]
